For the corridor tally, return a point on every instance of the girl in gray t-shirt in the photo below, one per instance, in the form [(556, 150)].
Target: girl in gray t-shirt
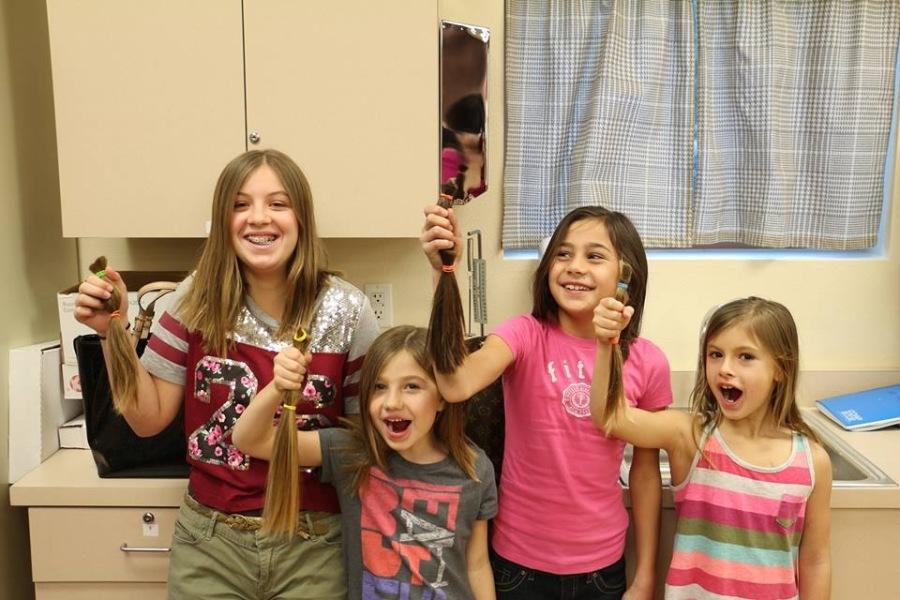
[(415, 494)]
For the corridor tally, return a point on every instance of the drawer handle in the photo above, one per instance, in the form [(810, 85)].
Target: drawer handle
[(126, 548)]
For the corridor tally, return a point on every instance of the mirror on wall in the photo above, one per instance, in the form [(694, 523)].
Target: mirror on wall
[(464, 51)]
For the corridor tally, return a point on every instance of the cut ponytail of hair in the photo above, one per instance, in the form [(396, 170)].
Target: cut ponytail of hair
[(281, 513), (446, 330), (615, 393), (123, 362)]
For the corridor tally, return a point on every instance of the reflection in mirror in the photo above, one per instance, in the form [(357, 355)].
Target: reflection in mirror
[(464, 51)]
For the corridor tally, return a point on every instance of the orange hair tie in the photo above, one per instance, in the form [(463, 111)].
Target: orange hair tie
[(115, 314), (614, 341), (448, 268)]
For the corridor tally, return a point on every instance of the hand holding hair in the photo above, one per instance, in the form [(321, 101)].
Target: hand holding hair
[(615, 394), (289, 369), (440, 232), (282, 506), (93, 304), (121, 357), (610, 318), (446, 328)]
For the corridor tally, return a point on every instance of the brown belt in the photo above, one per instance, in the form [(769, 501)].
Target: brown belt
[(305, 527)]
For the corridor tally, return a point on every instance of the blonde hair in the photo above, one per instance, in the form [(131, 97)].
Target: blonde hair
[(123, 361), (281, 512), (213, 301), (449, 426), (773, 327)]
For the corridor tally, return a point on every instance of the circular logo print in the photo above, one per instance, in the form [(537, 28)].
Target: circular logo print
[(577, 400)]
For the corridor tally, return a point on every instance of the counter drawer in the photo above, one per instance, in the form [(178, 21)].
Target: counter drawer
[(100, 591), (84, 544)]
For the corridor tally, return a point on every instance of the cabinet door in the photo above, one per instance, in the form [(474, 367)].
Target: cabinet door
[(71, 544), (100, 591), (349, 89), (149, 108)]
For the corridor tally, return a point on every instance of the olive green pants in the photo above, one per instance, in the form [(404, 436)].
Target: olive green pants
[(213, 561)]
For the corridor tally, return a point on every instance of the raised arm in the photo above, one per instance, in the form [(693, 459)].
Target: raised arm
[(478, 370), (440, 232), (481, 368), (254, 432), (669, 430), (158, 400)]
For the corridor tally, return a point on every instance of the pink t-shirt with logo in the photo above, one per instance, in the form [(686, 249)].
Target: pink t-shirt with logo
[(561, 507)]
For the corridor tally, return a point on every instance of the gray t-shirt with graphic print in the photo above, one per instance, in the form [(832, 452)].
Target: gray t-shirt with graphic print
[(406, 535)]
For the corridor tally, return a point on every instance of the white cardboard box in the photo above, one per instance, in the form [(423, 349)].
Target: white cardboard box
[(36, 406), (69, 328), (73, 434), (71, 382)]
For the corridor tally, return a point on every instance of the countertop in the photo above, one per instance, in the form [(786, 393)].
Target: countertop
[(882, 448), (69, 478)]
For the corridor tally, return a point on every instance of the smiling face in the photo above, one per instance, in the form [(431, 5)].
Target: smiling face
[(741, 373), (585, 269), (264, 227), (403, 406)]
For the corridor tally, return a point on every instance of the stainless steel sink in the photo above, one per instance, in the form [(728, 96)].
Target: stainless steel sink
[(849, 468)]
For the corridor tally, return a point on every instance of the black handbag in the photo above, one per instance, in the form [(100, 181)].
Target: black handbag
[(485, 421), (117, 450)]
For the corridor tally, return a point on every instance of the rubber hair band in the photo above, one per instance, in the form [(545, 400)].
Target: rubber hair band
[(289, 407), (448, 268), (101, 274), (115, 314), (614, 341), (622, 285), (301, 335)]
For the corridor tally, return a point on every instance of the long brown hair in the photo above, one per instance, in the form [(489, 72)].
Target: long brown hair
[(123, 362), (446, 327), (281, 512), (628, 245), (213, 301), (773, 327), (449, 426)]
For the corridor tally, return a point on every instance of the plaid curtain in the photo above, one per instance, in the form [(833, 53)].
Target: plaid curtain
[(795, 102), (793, 114), (599, 110)]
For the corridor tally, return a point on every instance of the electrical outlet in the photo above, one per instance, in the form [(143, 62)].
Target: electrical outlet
[(380, 298)]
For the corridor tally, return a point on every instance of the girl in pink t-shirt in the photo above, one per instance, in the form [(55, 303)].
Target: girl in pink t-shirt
[(560, 530)]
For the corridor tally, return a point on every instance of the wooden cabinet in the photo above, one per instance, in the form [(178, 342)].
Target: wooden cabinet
[(78, 524), (154, 97), (149, 103), (127, 551)]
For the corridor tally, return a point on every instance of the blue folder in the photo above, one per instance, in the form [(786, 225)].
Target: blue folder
[(866, 410)]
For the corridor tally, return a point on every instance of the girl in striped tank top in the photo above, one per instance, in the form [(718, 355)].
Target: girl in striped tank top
[(752, 484)]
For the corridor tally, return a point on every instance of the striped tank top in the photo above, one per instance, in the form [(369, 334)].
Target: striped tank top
[(739, 525)]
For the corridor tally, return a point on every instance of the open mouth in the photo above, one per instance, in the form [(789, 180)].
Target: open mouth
[(261, 240), (397, 425), (731, 393)]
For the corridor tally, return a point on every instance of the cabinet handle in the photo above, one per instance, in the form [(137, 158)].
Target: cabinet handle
[(126, 548), (254, 137)]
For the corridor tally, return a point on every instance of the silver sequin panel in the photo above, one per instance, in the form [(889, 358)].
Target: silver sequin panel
[(337, 313)]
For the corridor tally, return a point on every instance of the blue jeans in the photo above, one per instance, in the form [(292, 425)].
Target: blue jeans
[(515, 582)]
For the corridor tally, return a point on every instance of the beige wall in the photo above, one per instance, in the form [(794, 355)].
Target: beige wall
[(848, 311), (36, 260)]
